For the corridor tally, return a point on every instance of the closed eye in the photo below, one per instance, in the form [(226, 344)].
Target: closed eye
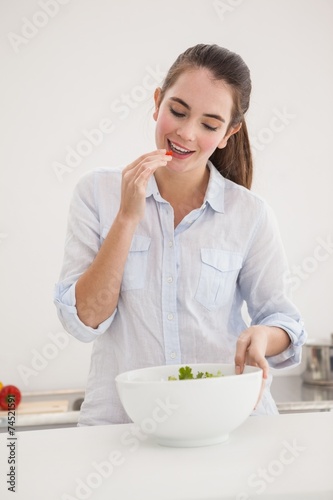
[(182, 115), (175, 113), (213, 129)]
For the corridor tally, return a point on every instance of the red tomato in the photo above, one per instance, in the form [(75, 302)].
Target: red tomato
[(169, 153), (10, 397)]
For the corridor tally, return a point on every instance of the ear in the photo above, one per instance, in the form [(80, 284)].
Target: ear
[(157, 97), (232, 131)]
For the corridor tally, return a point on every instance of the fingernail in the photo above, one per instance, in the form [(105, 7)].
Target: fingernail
[(237, 369)]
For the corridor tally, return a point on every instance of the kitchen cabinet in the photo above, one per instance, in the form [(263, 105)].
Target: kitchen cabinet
[(278, 457)]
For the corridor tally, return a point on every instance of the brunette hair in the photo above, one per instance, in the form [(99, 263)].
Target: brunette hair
[(235, 160)]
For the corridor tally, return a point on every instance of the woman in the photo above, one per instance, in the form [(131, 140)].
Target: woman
[(162, 255)]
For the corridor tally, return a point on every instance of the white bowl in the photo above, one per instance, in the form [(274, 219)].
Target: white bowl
[(189, 412)]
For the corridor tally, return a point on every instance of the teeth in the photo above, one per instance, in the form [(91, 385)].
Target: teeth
[(177, 149)]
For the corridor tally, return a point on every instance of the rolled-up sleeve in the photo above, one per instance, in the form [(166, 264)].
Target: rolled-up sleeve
[(67, 313), (81, 246), (264, 286)]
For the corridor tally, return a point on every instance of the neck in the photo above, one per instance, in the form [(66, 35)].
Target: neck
[(183, 186), (184, 191)]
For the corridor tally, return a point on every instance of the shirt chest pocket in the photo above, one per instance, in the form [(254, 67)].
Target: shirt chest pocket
[(218, 276), (135, 270)]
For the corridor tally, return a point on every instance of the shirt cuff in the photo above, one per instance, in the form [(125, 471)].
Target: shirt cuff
[(67, 313), (293, 354)]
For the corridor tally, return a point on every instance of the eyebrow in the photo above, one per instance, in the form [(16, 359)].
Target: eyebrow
[(209, 115)]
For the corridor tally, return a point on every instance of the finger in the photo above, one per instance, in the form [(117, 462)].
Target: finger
[(256, 356), (263, 364), (136, 180), (141, 158), (150, 164), (263, 385), (240, 356), (147, 169)]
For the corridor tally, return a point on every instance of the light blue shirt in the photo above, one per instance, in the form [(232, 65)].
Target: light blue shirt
[(187, 292)]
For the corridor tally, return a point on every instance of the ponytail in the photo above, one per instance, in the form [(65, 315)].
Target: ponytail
[(234, 161)]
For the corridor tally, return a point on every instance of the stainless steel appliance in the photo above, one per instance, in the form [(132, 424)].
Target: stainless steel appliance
[(293, 395), (318, 356)]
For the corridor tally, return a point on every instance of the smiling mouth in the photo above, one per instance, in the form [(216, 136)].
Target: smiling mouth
[(179, 150)]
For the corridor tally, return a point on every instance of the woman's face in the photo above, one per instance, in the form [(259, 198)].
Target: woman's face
[(192, 119)]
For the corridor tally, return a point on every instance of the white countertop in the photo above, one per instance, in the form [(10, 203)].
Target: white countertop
[(282, 457)]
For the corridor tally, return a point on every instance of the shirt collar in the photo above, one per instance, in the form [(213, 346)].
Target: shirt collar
[(214, 194), (215, 189)]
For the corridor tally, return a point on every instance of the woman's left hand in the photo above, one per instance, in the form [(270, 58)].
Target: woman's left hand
[(257, 342), (251, 349)]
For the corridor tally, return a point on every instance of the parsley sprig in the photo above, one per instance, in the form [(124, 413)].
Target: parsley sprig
[(185, 373)]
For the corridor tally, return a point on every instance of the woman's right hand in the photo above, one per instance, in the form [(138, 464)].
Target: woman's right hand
[(97, 290), (134, 183)]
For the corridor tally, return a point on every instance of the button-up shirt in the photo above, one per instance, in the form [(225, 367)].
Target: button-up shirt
[(187, 292)]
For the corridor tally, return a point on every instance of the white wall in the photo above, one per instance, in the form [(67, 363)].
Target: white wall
[(70, 74)]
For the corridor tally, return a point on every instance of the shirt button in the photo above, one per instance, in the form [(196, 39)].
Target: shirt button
[(172, 355), (170, 279), (170, 316), (170, 244)]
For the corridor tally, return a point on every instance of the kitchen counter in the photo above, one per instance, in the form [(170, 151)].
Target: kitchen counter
[(279, 457)]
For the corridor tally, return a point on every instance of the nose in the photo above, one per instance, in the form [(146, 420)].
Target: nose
[(187, 131)]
